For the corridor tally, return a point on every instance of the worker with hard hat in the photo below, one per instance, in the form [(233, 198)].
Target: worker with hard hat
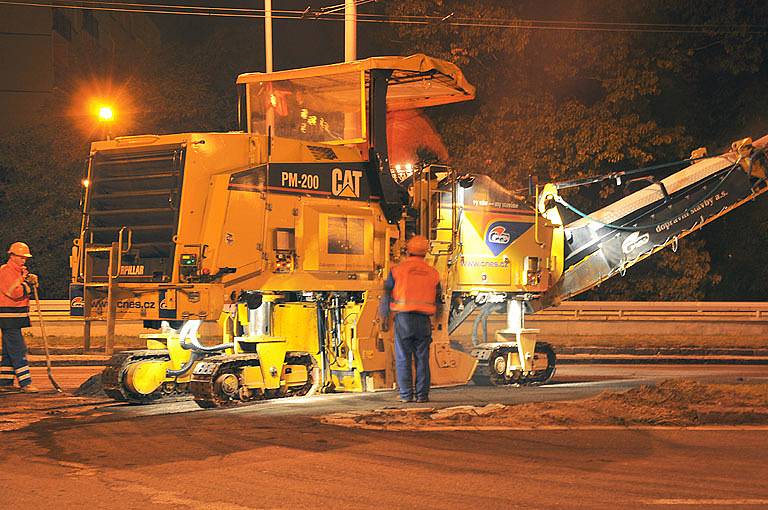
[(412, 291), (16, 284)]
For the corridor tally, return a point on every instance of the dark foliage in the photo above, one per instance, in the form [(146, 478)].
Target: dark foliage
[(557, 104)]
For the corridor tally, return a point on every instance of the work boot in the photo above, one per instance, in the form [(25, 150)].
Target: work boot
[(422, 400), (29, 388), (406, 400)]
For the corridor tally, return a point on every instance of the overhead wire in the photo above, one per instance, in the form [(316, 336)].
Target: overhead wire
[(341, 6), (173, 6), (332, 13)]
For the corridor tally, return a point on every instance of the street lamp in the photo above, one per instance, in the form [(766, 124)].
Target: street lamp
[(106, 116), (105, 113)]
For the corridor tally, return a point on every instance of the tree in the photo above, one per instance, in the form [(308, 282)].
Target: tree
[(41, 170), (560, 104), (171, 89)]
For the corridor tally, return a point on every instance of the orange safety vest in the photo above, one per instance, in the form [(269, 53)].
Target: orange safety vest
[(14, 298), (415, 287)]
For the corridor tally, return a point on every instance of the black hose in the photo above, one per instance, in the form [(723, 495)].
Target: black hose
[(458, 318), (497, 307), (485, 310), (192, 359), (203, 349), (321, 337), (337, 325), (197, 346), (475, 324), (206, 350)]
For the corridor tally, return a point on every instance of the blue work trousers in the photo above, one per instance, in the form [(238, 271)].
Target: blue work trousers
[(413, 334), (14, 360)]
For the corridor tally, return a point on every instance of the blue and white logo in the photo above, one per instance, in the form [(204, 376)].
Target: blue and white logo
[(501, 233)]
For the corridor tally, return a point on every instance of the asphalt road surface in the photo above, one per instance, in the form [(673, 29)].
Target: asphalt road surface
[(278, 455)]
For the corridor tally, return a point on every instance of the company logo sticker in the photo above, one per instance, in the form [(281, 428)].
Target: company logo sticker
[(501, 233), (346, 183), (76, 302), (634, 241)]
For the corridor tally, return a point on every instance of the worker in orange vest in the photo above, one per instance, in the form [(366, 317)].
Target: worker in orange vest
[(16, 284), (412, 291)]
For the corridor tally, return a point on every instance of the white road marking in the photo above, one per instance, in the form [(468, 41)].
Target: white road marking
[(701, 502), (497, 428)]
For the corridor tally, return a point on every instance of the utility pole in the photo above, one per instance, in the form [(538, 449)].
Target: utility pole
[(350, 54), (350, 30), (268, 60), (268, 33)]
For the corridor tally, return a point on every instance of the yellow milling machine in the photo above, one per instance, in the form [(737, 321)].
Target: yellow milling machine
[(278, 239)]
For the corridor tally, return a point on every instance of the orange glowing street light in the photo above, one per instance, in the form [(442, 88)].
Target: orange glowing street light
[(105, 113)]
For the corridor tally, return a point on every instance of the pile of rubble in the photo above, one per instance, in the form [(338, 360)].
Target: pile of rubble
[(672, 403)]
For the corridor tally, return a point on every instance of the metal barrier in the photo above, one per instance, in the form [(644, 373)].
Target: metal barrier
[(656, 310), (733, 324), (55, 310), (571, 323), (58, 310)]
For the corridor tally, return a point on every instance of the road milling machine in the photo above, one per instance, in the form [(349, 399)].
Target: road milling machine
[(282, 234)]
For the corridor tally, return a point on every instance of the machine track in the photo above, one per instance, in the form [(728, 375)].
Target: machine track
[(217, 381), (112, 379), (492, 371)]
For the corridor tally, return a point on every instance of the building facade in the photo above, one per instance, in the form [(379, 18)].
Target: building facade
[(39, 44)]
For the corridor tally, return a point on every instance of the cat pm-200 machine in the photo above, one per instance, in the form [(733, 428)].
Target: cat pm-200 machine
[(282, 234)]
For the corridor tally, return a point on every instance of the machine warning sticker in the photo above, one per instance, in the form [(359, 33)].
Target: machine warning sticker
[(500, 234)]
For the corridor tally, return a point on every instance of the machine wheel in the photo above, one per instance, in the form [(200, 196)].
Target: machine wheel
[(497, 367), (219, 385), (227, 386), (543, 376), (480, 379), (493, 373), (313, 374)]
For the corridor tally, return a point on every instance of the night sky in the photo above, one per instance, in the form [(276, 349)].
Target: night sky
[(296, 43)]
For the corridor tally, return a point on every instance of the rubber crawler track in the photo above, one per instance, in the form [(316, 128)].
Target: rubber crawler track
[(485, 376), (207, 395)]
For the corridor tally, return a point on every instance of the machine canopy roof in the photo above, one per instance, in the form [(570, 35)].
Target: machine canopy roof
[(417, 81)]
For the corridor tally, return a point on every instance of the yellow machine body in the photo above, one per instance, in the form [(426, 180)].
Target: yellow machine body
[(296, 209), (505, 246), (285, 232)]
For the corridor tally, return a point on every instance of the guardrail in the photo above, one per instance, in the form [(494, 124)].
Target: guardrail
[(656, 310), (721, 324), (571, 323), (54, 310), (58, 309)]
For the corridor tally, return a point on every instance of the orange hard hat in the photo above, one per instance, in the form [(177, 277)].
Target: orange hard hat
[(20, 249), (417, 245)]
